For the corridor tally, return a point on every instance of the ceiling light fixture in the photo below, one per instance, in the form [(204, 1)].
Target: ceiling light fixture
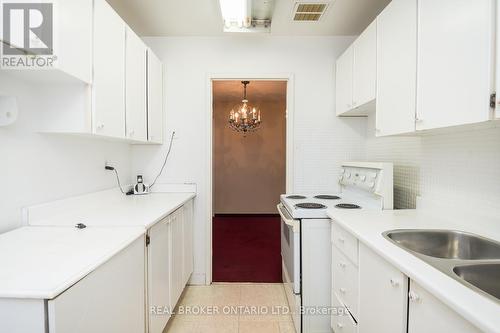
[(247, 15), (243, 117), (236, 13)]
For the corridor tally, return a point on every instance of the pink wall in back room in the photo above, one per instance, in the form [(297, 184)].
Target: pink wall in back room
[(249, 172)]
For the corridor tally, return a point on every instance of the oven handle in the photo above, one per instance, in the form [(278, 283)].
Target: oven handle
[(287, 219)]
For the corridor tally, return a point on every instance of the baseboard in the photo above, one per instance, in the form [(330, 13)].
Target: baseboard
[(197, 279), (247, 214)]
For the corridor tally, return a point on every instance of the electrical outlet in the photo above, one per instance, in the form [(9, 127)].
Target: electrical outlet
[(8, 110)]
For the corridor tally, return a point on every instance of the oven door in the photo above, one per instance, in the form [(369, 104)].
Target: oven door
[(290, 249)]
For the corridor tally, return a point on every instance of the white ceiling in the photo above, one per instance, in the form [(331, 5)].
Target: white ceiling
[(203, 18)]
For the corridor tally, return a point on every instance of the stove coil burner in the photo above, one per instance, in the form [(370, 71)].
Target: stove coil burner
[(310, 205), (347, 206), (327, 197), (295, 197)]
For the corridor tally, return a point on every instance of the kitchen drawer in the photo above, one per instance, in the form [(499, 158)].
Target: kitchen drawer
[(345, 280), (346, 242), (342, 322)]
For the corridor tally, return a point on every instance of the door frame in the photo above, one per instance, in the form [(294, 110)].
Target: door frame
[(289, 113)]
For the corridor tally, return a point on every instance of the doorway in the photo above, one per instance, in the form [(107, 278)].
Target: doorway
[(249, 174)]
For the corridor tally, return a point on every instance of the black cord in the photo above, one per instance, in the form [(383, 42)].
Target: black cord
[(165, 161), (118, 180)]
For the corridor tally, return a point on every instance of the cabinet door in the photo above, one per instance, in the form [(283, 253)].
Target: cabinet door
[(396, 68), (428, 314), (110, 299), (176, 255), (379, 280), (343, 90), (109, 71), (455, 63), (159, 276), (155, 98), (188, 240), (74, 38), (135, 83), (365, 66), (497, 108)]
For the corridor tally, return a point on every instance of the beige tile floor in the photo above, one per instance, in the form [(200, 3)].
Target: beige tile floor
[(242, 308)]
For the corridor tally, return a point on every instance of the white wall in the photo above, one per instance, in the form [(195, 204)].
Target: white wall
[(37, 168), (322, 141), (458, 170)]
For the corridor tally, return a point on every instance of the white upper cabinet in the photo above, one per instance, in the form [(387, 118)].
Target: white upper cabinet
[(109, 72), (69, 40), (365, 67), (396, 68), (428, 314), (455, 62), (135, 83), (155, 98), (379, 280), (356, 74), (343, 96), (73, 38)]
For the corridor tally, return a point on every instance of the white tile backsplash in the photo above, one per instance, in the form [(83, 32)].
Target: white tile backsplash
[(459, 169)]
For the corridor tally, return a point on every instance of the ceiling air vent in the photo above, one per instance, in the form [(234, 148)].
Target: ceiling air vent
[(309, 11)]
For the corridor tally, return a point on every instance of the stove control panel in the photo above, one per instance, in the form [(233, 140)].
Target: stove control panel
[(369, 177), (359, 177)]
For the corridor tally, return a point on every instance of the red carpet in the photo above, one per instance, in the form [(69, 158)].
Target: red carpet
[(246, 248)]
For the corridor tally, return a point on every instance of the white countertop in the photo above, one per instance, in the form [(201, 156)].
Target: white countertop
[(42, 262), (368, 226), (108, 208)]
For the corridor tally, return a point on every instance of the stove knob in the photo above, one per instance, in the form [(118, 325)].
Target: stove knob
[(348, 175), (371, 184), (342, 170), (363, 178)]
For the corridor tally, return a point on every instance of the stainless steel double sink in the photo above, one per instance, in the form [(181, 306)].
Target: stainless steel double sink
[(468, 258)]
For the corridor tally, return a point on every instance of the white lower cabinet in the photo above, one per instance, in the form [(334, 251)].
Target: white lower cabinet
[(159, 307), (176, 256), (345, 281), (110, 299), (170, 258), (188, 241), (382, 294), (342, 321), (378, 297), (427, 314)]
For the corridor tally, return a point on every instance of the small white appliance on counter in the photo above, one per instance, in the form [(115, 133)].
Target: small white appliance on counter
[(305, 238)]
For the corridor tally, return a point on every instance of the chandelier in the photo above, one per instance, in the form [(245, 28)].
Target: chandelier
[(243, 117)]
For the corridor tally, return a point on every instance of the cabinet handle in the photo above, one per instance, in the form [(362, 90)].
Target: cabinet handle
[(342, 265), (413, 296), (342, 290), (131, 133), (100, 126), (341, 240), (394, 283), (418, 120), (339, 325)]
